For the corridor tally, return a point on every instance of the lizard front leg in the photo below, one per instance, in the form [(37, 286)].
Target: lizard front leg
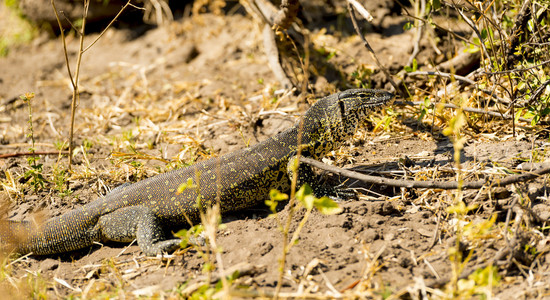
[(137, 222), (319, 186)]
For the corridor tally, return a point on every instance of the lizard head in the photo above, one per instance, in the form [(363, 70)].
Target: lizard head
[(340, 114)]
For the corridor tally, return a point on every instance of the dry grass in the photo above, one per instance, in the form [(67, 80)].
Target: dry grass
[(134, 117)]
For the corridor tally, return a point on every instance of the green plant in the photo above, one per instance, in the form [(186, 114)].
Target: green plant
[(60, 179), (87, 144), (60, 145), (361, 77), (34, 173), (478, 284), (305, 198), (204, 234), (75, 78), (412, 68), (480, 281)]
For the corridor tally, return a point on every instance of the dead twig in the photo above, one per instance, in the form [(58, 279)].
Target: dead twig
[(520, 27), (272, 53), (442, 74), (74, 82), (18, 154), (81, 50), (371, 51), (429, 184), (435, 237), (475, 29), (265, 13), (286, 14), (519, 69), (459, 78), (467, 109), (419, 10), (361, 10), (109, 25)]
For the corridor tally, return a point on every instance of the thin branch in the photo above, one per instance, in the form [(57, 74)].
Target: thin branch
[(436, 233), (419, 11), (361, 10), (70, 23), (539, 91), (64, 43), (371, 51), (272, 54), (81, 50), (474, 28), (468, 109), (459, 78), (18, 154), (442, 74), (286, 14), (108, 26), (264, 13), (76, 92), (447, 30), (262, 10), (518, 70), (429, 184)]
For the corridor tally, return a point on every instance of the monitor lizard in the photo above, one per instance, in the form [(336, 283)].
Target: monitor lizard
[(149, 209)]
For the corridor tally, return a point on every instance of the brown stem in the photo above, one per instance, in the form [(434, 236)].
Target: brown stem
[(429, 184), (286, 14), (17, 154)]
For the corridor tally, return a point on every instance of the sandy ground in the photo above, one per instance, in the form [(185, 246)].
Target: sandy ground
[(188, 91)]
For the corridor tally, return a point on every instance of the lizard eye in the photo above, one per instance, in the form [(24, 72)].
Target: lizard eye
[(342, 107)]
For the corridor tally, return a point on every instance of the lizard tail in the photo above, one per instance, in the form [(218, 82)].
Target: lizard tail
[(56, 235)]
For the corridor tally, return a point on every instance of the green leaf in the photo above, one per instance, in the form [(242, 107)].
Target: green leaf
[(275, 195), (183, 235), (486, 277), (186, 234), (455, 124), (530, 25), (327, 206), (305, 196), (274, 198), (535, 120), (460, 208)]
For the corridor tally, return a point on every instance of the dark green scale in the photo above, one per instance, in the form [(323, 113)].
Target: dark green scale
[(146, 210)]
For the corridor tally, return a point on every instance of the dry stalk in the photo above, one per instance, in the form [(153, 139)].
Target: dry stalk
[(81, 50), (371, 51), (429, 184), (291, 205)]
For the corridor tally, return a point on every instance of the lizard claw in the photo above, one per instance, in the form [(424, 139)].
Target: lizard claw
[(344, 193), (337, 193)]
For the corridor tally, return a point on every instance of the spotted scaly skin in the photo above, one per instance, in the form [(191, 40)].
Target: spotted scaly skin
[(150, 209)]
